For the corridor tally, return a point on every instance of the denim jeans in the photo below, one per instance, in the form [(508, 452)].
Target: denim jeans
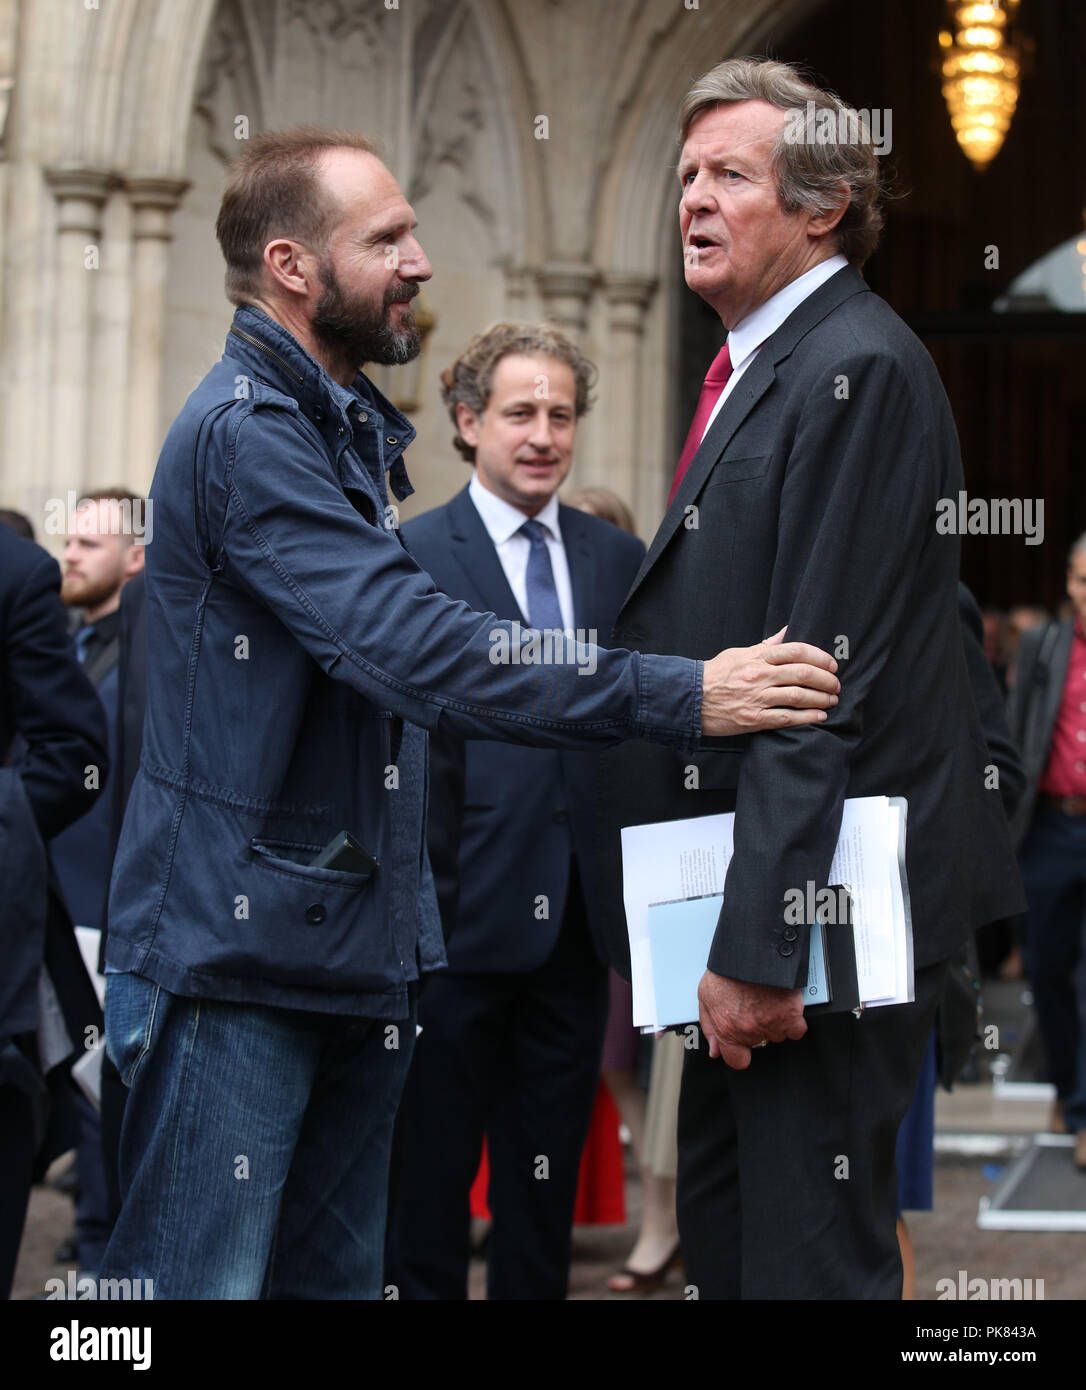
[(1053, 863), (255, 1148)]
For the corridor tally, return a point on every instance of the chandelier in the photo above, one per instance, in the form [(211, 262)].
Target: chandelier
[(980, 76)]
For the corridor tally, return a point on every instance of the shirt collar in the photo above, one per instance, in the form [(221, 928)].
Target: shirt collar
[(502, 520), (750, 333), (284, 363)]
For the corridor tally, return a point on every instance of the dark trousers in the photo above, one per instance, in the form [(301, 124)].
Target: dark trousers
[(514, 1057), (787, 1186), (1053, 862), (16, 1173)]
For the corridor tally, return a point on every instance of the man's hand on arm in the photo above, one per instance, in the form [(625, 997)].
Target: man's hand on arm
[(774, 685), (736, 1017)]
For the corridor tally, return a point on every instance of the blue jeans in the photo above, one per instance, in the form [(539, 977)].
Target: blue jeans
[(255, 1148), (1053, 863)]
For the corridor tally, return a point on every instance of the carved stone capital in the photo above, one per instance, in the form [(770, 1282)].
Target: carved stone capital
[(81, 195), (628, 296), (566, 287), (153, 200)]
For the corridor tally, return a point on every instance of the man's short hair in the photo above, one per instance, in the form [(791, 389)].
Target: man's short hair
[(17, 522), (809, 174), (274, 189), (130, 505), (469, 378), (1078, 548)]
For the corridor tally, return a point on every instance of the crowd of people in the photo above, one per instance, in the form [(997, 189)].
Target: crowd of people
[(348, 886)]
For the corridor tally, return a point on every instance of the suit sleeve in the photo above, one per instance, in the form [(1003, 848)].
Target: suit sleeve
[(56, 709), (1022, 691), (989, 702), (856, 512), (353, 597)]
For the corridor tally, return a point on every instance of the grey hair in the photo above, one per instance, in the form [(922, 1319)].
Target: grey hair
[(809, 173)]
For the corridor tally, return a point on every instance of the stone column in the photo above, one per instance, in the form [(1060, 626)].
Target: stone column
[(628, 298), (566, 287), (81, 194), (152, 200)]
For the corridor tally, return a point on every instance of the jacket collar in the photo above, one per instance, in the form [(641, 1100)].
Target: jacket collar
[(277, 358), (756, 381)]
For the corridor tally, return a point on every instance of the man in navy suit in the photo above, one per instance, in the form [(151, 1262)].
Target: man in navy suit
[(512, 1031)]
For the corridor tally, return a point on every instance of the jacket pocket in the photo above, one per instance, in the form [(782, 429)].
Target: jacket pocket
[(317, 928), (294, 859), (737, 470)]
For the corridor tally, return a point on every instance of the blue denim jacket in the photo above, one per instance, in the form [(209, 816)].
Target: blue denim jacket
[(296, 656)]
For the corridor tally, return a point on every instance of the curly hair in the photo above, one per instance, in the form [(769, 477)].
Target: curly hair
[(469, 379)]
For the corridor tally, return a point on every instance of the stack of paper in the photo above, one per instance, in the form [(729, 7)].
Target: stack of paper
[(675, 879)]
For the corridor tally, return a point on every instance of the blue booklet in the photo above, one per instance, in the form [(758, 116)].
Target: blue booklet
[(680, 935)]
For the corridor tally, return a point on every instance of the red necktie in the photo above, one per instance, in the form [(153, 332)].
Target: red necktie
[(716, 378)]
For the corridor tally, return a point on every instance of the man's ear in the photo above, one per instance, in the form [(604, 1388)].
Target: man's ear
[(288, 266), (467, 424), (133, 560), (823, 223)]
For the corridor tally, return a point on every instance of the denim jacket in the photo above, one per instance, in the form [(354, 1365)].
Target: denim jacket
[(296, 657)]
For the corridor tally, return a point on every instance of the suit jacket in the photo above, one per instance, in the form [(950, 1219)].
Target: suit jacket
[(991, 706), (51, 729), (504, 820), (812, 502), (1033, 706)]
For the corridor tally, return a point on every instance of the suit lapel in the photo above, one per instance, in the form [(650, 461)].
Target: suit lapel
[(474, 552), (581, 558), (748, 391)]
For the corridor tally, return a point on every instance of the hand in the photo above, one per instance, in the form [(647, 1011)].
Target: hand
[(775, 685), (736, 1017)]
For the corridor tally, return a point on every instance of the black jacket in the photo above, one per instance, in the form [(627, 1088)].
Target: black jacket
[(52, 735), (1034, 706), (813, 502)]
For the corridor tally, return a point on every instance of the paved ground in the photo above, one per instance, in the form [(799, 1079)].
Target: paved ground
[(947, 1239)]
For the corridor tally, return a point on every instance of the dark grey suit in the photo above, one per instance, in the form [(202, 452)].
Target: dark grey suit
[(1052, 853), (812, 503), (1034, 705)]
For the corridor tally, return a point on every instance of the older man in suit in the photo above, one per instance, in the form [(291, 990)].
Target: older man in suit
[(512, 1031), (807, 496), (1048, 718)]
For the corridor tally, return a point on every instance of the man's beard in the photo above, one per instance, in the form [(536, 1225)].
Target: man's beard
[(350, 328), (76, 591)]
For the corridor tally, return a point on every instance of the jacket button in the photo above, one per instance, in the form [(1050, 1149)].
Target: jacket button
[(790, 934), (315, 914), (560, 817), (786, 950)]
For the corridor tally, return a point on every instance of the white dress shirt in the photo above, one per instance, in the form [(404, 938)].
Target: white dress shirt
[(750, 333), (503, 523)]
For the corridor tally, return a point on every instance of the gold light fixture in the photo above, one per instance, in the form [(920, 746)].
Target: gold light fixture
[(980, 76)]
